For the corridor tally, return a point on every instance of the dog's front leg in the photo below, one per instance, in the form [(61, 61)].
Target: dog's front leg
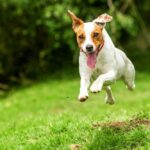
[(84, 84), (85, 75), (106, 78)]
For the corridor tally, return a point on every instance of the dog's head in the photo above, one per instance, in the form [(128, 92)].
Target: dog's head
[(89, 35)]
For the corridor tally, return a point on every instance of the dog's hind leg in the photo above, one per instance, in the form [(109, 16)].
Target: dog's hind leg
[(129, 76), (109, 99)]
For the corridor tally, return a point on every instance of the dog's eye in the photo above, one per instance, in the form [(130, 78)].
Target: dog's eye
[(81, 37), (96, 34)]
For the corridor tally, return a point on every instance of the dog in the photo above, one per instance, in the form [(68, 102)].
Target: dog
[(99, 55)]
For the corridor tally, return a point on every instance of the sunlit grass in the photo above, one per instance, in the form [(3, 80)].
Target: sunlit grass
[(48, 116)]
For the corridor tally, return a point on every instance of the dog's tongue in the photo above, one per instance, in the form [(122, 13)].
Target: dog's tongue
[(91, 60)]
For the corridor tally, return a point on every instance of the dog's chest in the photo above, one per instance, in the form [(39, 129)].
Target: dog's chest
[(100, 64), (101, 67), (96, 73)]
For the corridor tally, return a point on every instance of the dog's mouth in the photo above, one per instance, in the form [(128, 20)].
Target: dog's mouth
[(92, 56), (91, 59)]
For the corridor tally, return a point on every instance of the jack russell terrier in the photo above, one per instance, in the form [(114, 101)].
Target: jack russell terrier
[(99, 54)]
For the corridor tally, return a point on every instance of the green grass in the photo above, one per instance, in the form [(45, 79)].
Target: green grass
[(48, 116)]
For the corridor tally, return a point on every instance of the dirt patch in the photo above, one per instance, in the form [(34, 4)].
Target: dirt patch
[(123, 124), (137, 122), (75, 146)]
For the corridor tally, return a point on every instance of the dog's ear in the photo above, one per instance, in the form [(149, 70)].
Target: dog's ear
[(76, 22), (102, 20)]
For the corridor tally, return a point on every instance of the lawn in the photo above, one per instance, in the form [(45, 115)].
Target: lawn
[(47, 115)]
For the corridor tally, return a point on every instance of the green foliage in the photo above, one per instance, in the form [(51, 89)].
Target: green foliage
[(36, 36)]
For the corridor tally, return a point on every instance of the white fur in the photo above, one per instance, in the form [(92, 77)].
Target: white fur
[(88, 28), (112, 64)]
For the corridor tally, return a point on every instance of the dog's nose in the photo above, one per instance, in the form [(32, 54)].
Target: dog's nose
[(89, 48)]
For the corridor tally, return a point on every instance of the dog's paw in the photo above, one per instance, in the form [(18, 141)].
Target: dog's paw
[(83, 97), (131, 87), (109, 100), (96, 87)]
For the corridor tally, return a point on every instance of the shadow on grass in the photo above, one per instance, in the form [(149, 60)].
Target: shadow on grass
[(63, 75)]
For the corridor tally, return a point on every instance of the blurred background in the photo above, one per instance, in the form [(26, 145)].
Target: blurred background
[(36, 37)]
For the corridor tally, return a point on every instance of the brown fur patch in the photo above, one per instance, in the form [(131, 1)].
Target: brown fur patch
[(76, 22), (96, 36), (80, 35)]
